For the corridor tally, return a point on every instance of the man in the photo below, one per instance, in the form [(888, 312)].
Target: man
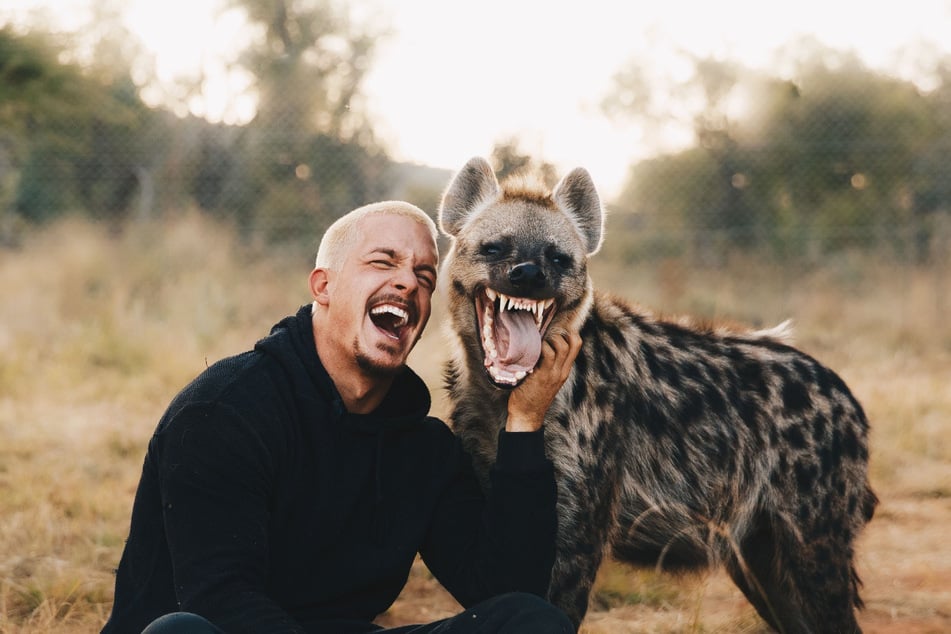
[(289, 488)]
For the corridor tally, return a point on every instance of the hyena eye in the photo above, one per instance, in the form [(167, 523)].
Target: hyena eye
[(561, 260), (490, 249)]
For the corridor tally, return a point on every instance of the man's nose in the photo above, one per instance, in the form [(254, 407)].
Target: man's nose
[(406, 279)]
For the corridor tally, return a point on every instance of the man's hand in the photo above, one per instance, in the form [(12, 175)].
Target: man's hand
[(529, 402)]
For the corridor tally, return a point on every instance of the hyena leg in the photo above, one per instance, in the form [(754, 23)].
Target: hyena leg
[(828, 585), (795, 587), (761, 570), (583, 528), (572, 578)]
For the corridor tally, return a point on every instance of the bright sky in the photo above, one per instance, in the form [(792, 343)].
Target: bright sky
[(455, 77), (462, 74)]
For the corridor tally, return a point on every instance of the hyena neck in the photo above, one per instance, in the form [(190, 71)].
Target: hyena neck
[(584, 310), (478, 414)]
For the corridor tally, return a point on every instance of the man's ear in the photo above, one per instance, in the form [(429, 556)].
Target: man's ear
[(319, 283)]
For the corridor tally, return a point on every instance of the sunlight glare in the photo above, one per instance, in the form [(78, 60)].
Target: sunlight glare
[(195, 42), (455, 78)]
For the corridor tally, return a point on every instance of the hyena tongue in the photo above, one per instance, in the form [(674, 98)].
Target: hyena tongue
[(520, 343)]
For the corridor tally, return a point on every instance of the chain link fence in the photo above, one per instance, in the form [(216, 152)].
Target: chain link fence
[(279, 192), (843, 162)]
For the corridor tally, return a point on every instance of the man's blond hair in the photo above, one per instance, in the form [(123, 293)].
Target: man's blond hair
[(341, 235)]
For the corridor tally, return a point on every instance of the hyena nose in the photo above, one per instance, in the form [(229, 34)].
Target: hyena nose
[(527, 275)]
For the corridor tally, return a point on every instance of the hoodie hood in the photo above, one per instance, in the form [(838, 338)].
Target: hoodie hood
[(291, 343)]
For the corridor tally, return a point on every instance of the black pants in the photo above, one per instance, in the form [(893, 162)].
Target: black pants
[(513, 613)]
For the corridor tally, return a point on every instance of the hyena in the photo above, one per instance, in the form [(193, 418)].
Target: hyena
[(674, 445)]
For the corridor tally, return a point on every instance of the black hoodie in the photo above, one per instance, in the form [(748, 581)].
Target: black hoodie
[(265, 506)]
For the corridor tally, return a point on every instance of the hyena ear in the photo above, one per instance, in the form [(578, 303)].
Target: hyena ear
[(577, 196), (470, 189)]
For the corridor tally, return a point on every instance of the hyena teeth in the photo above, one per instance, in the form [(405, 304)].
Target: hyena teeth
[(507, 303), (487, 341), (503, 377)]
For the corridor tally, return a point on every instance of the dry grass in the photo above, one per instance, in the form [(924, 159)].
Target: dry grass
[(97, 333)]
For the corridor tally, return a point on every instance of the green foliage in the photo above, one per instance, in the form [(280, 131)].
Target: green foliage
[(80, 138), (35, 88), (34, 91), (308, 61), (309, 155), (73, 141), (839, 157)]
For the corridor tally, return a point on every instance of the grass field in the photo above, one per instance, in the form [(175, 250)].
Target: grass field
[(98, 332)]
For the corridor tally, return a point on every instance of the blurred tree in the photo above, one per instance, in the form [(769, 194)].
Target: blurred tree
[(508, 159), (931, 194), (73, 137), (122, 146), (717, 211), (309, 60), (34, 86), (310, 153), (75, 133), (37, 95), (833, 158)]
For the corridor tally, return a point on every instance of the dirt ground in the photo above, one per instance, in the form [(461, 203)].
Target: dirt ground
[(904, 559)]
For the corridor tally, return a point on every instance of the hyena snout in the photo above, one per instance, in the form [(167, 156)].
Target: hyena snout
[(528, 276)]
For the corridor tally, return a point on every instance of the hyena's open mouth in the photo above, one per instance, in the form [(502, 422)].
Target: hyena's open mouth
[(511, 331)]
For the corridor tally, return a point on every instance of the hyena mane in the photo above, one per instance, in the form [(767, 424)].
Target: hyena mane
[(676, 443)]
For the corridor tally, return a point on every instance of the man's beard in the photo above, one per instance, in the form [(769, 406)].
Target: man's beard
[(373, 368)]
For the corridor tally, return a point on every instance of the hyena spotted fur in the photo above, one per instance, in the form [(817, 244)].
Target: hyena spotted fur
[(675, 446)]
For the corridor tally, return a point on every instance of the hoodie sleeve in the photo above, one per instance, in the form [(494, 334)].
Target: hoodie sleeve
[(479, 547), (215, 474)]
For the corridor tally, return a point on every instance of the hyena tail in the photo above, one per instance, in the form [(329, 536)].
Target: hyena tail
[(780, 333)]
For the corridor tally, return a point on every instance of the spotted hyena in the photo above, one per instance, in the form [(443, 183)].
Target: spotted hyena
[(675, 445)]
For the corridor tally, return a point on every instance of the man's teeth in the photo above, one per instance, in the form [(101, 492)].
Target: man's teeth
[(506, 302), (402, 315)]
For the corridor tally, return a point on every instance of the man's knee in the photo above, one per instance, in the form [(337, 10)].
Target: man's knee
[(181, 623)]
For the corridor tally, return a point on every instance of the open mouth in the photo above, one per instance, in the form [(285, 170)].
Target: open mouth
[(511, 331), (390, 318)]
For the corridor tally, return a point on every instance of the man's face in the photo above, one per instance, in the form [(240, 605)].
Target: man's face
[(380, 300)]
